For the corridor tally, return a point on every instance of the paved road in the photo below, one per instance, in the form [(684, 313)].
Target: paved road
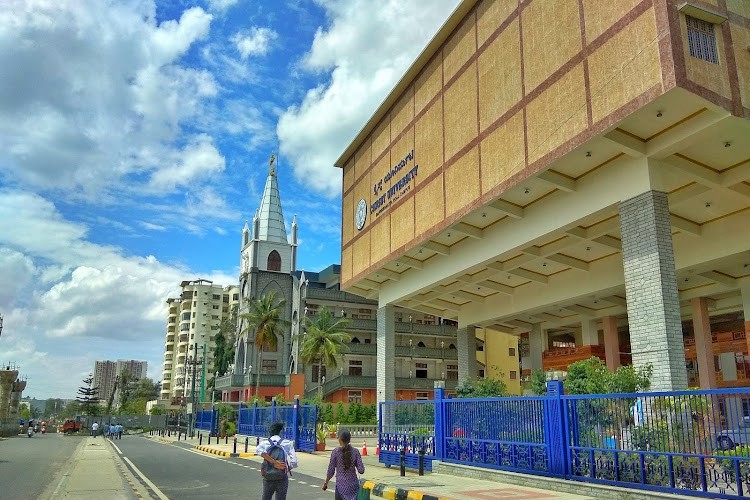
[(185, 473), (29, 466)]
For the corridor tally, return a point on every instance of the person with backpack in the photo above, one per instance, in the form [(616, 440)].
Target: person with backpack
[(279, 458), (345, 463)]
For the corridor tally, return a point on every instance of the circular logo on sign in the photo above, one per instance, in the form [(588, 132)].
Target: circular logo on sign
[(360, 215)]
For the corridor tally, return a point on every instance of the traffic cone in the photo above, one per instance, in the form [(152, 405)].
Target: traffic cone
[(377, 449), (364, 449)]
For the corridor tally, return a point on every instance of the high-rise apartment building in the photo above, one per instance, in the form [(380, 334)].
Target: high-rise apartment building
[(106, 373), (193, 321)]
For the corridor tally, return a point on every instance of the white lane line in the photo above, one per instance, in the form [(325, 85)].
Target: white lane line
[(116, 448), (146, 480)]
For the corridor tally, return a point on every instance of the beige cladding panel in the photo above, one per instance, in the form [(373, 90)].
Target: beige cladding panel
[(557, 115), (381, 137), (380, 239), (402, 224), (741, 7), (428, 84), (346, 263), (400, 149), (377, 176), (462, 182), (551, 37), (706, 74), (402, 113), (624, 67), (361, 254), (500, 76), (363, 158), (347, 218), (459, 48), (741, 40), (428, 148), (348, 180), (430, 205), (490, 15), (503, 153), (461, 112), (599, 16)]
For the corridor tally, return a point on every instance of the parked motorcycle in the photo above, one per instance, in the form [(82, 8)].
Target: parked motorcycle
[(30, 431)]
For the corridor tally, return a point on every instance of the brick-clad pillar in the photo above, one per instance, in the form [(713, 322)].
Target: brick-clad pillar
[(467, 354), (386, 349), (651, 289), (703, 343), (611, 342), (537, 345)]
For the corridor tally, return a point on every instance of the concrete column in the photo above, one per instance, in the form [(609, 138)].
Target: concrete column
[(703, 343), (589, 332), (651, 289), (15, 398), (537, 345), (7, 378), (467, 354), (611, 342), (386, 345)]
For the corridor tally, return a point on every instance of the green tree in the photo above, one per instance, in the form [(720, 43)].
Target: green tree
[(264, 318), (127, 385), (71, 409), (53, 407), (147, 389), (111, 398), (157, 410), (325, 339), (88, 396), (224, 343), (539, 382), (591, 376), (134, 406), (24, 413), (482, 388)]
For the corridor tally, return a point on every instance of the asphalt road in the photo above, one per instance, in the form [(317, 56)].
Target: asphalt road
[(184, 473), (30, 466)]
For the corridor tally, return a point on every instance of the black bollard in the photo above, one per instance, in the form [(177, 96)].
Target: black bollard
[(235, 445), (245, 444), (421, 461), (200, 439), (403, 462), (209, 438), (226, 439)]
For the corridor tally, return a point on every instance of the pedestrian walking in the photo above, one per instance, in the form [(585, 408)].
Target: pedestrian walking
[(94, 428), (345, 463), (279, 458), (118, 429)]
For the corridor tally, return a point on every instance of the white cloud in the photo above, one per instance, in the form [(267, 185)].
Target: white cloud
[(221, 5), (94, 91), (199, 158), (367, 48), (254, 42), (152, 227)]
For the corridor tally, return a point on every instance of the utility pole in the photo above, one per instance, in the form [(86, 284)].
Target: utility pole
[(192, 389), (203, 376)]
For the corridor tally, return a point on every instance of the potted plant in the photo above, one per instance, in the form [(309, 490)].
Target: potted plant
[(321, 432), (333, 430)]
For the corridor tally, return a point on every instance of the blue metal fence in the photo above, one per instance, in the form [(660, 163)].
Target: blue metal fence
[(207, 420), (688, 442), (299, 422)]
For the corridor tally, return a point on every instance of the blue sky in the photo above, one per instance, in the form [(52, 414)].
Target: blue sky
[(134, 143)]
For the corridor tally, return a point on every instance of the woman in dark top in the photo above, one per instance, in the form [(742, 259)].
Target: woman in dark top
[(345, 462)]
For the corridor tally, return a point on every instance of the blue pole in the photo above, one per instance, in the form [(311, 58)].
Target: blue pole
[(554, 436), (255, 418), (439, 423), (295, 424)]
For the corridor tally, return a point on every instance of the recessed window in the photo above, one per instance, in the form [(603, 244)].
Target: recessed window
[(355, 396), (269, 366), (451, 372), (701, 39), (513, 375), (421, 396), (274, 261), (511, 351), (355, 368)]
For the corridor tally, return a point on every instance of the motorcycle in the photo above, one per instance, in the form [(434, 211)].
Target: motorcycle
[(30, 431)]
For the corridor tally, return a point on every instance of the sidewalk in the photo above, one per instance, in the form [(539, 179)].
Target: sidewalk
[(95, 472), (387, 482)]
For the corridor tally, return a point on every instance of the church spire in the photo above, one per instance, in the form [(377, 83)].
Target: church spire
[(271, 218)]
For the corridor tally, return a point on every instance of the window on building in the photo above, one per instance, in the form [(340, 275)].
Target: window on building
[(236, 296), (421, 344), (480, 347), (355, 396), (355, 367), (701, 40), (452, 346), (368, 341), (318, 372), (216, 297), (271, 348), (421, 396), (481, 373), (420, 370), (451, 372), (215, 307), (269, 366), (214, 316), (185, 316), (512, 352), (274, 261), (355, 340), (513, 375)]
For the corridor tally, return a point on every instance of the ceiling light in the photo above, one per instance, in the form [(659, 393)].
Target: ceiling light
[(544, 264), (708, 204), (588, 249), (659, 114), (527, 191), (588, 154), (484, 215), (727, 144)]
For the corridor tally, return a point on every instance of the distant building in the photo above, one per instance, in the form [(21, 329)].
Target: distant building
[(106, 372)]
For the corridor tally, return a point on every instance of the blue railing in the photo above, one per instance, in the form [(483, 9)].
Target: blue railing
[(688, 442), (299, 422)]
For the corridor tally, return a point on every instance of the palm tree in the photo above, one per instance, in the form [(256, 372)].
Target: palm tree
[(264, 318), (325, 340)]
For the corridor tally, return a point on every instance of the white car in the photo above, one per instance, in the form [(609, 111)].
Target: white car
[(738, 435)]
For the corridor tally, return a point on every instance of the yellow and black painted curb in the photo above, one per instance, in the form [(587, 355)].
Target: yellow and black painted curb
[(222, 453), (392, 493)]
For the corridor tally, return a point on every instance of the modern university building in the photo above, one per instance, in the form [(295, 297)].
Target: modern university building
[(575, 172)]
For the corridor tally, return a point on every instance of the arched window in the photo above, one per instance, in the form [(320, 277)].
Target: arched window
[(451, 346), (421, 344), (274, 261), (244, 288), (355, 340)]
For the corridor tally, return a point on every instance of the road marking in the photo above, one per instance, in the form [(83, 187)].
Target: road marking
[(116, 448), (146, 480)]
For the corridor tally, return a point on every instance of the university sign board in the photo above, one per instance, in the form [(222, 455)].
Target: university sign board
[(385, 198)]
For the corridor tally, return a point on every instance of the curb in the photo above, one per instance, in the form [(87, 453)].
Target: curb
[(391, 493), (224, 454)]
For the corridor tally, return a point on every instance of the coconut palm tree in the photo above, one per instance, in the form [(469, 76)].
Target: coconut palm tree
[(264, 318), (325, 340)]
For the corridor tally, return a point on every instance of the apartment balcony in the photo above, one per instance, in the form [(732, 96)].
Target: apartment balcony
[(249, 380), (370, 382), (401, 327), (405, 351)]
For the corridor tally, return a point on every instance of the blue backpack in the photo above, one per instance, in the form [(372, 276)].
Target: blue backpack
[(271, 473)]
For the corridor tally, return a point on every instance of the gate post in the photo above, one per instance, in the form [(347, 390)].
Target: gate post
[(295, 424), (239, 419), (273, 411), (255, 417), (439, 422), (554, 425)]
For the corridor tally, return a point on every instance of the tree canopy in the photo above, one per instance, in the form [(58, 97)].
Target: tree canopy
[(264, 318), (482, 388), (325, 339), (88, 396), (591, 376)]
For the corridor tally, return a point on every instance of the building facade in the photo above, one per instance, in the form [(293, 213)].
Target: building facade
[(107, 372), (193, 320), (587, 185)]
